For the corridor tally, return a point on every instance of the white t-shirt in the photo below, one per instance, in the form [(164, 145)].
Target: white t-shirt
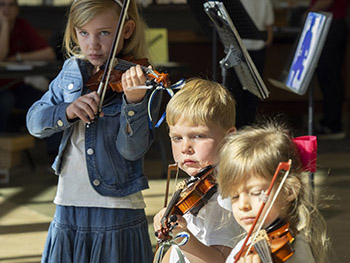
[(261, 12), (74, 187), (213, 225), (302, 251)]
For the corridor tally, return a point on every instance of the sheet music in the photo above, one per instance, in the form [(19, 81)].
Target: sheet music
[(236, 54)]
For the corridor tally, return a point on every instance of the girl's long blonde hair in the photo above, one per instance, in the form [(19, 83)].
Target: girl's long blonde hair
[(257, 151), (83, 11)]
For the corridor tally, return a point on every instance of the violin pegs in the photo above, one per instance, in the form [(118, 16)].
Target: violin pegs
[(173, 218)]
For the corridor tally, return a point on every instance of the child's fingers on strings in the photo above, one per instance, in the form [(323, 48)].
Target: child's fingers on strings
[(131, 78), (157, 219)]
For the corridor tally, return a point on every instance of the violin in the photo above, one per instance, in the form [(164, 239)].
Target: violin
[(191, 195), (274, 244), (122, 65)]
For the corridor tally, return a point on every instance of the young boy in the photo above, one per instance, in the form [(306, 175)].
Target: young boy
[(199, 116)]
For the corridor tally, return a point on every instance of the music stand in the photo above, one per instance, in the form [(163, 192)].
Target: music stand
[(297, 75), (236, 54), (298, 72), (245, 25)]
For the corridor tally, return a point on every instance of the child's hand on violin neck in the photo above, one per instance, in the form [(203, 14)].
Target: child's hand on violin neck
[(131, 78), (157, 220), (84, 108), (181, 226)]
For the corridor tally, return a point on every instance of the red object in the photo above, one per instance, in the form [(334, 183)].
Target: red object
[(24, 38), (307, 146)]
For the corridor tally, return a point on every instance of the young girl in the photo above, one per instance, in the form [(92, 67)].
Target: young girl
[(248, 160), (99, 205)]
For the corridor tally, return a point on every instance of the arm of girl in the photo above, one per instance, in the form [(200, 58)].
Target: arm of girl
[(136, 133)]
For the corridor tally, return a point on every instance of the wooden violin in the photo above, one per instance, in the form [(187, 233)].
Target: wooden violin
[(122, 65), (191, 195), (273, 244)]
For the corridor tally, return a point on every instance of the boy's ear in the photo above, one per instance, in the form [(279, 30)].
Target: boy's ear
[(129, 29), (231, 130)]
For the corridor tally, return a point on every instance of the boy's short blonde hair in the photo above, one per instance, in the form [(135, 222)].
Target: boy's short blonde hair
[(201, 102)]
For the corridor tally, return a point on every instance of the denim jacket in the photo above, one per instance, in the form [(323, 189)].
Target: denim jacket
[(114, 156)]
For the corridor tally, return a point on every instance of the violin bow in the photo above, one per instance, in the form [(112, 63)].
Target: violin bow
[(281, 166), (102, 88), (171, 167)]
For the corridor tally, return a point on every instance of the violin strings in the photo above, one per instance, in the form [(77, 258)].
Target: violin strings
[(263, 249), (125, 65)]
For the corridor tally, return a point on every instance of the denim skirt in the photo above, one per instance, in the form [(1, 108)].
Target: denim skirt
[(98, 235)]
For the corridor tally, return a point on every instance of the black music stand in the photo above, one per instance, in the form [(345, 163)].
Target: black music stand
[(245, 25), (216, 16), (237, 56)]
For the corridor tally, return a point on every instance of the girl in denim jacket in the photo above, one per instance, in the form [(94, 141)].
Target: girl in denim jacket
[(99, 205)]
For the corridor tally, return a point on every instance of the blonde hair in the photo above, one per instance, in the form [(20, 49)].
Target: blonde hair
[(202, 102), (257, 151), (83, 11)]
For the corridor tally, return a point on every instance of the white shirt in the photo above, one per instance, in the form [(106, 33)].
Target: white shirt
[(74, 187), (213, 225), (261, 12)]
